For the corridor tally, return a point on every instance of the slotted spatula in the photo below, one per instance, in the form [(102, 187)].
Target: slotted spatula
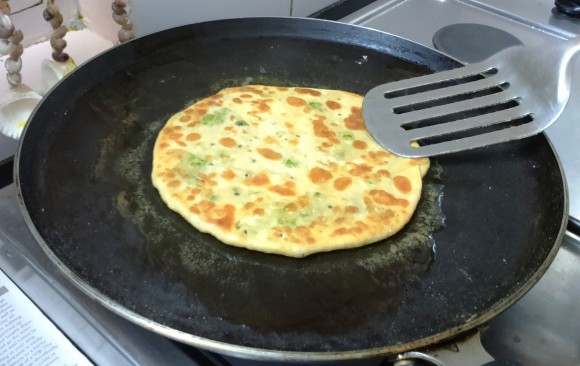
[(514, 94)]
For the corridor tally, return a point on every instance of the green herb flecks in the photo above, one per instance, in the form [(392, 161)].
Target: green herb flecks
[(288, 220), (348, 136), (216, 118), (223, 156), (193, 164), (315, 105), (291, 163), (195, 161), (241, 123)]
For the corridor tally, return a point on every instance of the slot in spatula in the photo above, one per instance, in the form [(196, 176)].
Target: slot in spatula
[(516, 93)]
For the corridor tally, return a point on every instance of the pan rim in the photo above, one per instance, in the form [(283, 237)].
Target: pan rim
[(291, 356), (268, 354)]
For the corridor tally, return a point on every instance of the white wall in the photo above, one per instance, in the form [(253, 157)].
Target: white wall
[(151, 16), (27, 16), (154, 15), (148, 16)]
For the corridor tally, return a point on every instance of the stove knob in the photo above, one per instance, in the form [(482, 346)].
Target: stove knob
[(568, 7)]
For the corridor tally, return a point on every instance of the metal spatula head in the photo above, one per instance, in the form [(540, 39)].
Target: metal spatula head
[(514, 94)]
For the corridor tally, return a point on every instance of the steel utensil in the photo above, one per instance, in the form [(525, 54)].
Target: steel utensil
[(516, 93)]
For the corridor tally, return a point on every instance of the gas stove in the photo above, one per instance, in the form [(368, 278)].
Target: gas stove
[(542, 328)]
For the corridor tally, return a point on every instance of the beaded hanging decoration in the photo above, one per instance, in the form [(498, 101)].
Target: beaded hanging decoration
[(11, 38), (52, 15), (121, 17)]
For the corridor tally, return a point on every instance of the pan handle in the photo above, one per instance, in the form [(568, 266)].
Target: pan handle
[(468, 351), (415, 358)]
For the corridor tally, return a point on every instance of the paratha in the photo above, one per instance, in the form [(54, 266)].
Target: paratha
[(291, 171)]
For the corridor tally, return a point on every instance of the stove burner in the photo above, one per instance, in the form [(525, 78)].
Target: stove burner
[(470, 42), (567, 8)]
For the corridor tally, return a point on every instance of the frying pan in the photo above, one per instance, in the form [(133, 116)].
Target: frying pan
[(489, 223)]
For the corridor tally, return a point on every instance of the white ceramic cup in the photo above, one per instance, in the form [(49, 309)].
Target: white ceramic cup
[(16, 106), (51, 72)]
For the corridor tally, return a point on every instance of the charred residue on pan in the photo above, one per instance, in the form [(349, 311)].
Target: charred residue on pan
[(322, 294), (230, 281), (196, 284), (219, 289)]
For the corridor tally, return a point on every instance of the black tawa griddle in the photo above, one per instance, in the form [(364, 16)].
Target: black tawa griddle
[(489, 223)]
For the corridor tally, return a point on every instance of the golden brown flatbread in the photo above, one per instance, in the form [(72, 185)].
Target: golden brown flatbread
[(291, 171)]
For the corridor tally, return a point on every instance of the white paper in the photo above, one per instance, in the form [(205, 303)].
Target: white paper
[(27, 336)]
